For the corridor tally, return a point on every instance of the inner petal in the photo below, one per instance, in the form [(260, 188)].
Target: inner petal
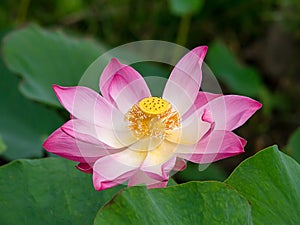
[(191, 131), (146, 144)]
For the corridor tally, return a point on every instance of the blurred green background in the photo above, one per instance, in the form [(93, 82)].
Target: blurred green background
[(254, 50)]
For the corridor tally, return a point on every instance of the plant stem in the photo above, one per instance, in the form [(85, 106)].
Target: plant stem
[(183, 30), (22, 12)]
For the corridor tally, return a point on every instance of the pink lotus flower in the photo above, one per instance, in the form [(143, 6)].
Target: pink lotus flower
[(128, 135)]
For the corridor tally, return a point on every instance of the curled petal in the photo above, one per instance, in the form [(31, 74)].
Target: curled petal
[(85, 104), (85, 167), (115, 169), (218, 145), (100, 183), (61, 144), (184, 82), (231, 111), (179, 165), (122, 85)]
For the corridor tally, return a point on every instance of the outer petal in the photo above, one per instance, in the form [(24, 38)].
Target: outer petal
[(231, 111), (91, 133), (65, 146), (216, 146), (179, 165), (85, 104), (122, 85), (115, 169), (141, 178), (161, 184), (85, 167), (184, 83), (160, 161), (193, 128)]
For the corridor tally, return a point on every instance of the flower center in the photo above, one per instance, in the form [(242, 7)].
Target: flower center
[(154, 105), (152, 117)]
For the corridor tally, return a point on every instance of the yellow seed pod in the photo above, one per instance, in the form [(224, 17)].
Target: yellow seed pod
[(154, 105)]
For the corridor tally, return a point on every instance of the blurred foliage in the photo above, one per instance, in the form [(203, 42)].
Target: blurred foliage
[(2, 145), (121, 21), (45, 57), (184, 7), (293, 145), (290, 15), (227, 69), (24, 124)]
